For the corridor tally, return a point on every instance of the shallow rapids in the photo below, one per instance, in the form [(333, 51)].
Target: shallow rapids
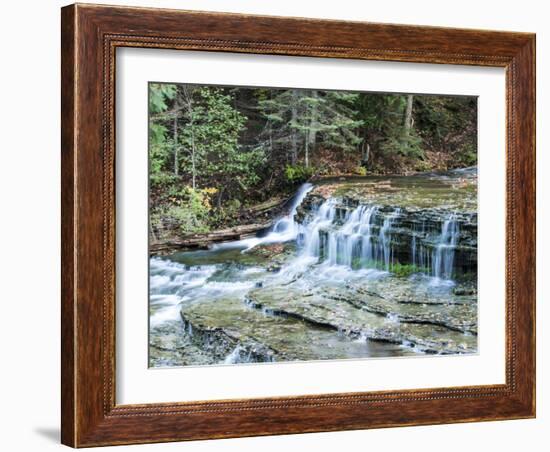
[(336, 277)]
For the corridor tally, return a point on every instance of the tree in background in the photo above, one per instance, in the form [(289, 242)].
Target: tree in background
[(390, 139), (210, 134), (217, 152), (449, 124), (301, 120), (196, 155), (161, 95)]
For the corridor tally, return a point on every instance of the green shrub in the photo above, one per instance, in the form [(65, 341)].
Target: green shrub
[(189, 209), (231, 207), (467, 156), (298, 173), (161, 179), (189, 220), (422, 166)]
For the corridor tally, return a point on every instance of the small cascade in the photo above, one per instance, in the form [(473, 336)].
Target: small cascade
[(361, 238), (443, 254), (286, 224), (420, 254), (347, 244), (285, 228), (236, 356), (364, 237), (385, 254), (366, 230), (310, 236)]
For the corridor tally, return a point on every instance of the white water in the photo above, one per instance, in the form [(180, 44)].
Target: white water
[(172, 284), (235, 356), (437, 261), (352, 241), (284, 230), (442, 263), (334, 245)]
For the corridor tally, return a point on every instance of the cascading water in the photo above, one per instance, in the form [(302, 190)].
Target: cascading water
[(310, 233), (366, 230), (443, 255), (339, 249), (419, 255), (357, 239), (384, 240), (169, 284), (362, 238), (283, 230)]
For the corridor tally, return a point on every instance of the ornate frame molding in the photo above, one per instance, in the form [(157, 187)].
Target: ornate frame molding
[(90, 36)]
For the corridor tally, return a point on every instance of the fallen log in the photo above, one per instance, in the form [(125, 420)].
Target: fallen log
[(203, 241), (267, 205)]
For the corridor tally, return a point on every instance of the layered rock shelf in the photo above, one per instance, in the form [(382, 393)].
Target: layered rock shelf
[(413, 234), (362, 267)]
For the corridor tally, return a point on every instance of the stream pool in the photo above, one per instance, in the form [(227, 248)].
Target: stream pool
[(343, 275)]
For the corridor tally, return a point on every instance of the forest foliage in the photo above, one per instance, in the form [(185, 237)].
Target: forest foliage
[(215, 152)]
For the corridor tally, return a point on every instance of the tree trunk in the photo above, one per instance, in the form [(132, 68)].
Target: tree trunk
[(189, 106), (270, 138), (366, 154), (312, 130), (203, 241), (193, 154), (408, 114), (176, 143), (306, 153), (220, 198), (294, 119), (153, 236)]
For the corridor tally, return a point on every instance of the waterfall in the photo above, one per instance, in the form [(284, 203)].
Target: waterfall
[(367, 248), (310, 233), (345, 244), (384, 240), (420, 255), (286, 223), (358, 238), (235, 356), (285, 229), (443, 254)]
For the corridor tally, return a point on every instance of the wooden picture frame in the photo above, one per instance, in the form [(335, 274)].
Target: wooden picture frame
[(90, 36)]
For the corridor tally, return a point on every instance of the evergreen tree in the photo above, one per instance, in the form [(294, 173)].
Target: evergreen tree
[(215, 151), (304, 119), (160, 97), (210, 135)]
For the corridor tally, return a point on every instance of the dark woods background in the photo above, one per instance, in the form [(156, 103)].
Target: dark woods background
[(223, 156)]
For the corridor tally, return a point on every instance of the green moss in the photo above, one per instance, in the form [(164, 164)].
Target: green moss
[(405, 270)]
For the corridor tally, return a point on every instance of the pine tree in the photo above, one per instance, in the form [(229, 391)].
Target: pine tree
[(160, 98), (211, 136), (301, 120)]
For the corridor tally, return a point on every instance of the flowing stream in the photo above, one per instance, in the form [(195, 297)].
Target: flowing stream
[(343, 274)]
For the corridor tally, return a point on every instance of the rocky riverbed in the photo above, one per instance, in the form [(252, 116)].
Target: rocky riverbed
[(362, 267)]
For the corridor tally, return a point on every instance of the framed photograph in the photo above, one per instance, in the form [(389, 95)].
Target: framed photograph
[(280, 225)]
